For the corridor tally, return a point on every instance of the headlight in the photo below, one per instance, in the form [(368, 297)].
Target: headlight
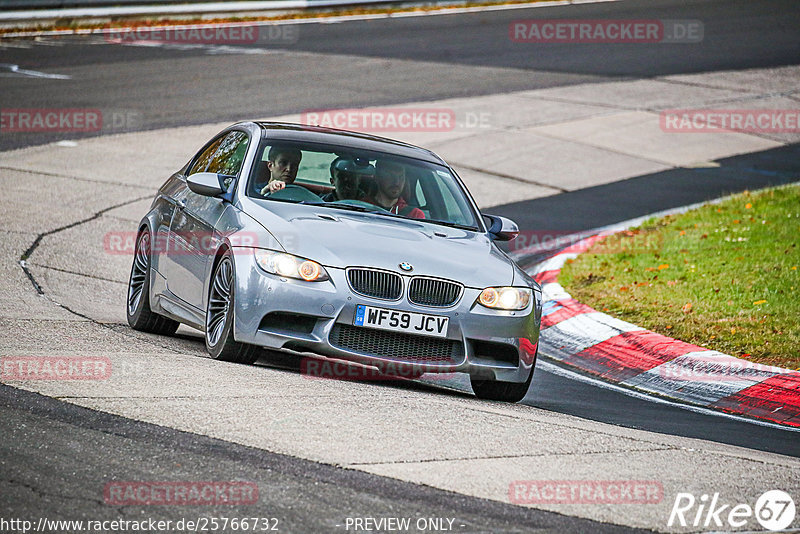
[(505, 298), (284, 264)]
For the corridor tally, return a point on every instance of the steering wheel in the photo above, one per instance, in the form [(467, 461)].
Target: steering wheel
[(284, 188), (294, 192)]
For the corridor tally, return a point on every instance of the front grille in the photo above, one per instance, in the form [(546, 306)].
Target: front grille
[(377, 284), (396, 346), (433, 292)]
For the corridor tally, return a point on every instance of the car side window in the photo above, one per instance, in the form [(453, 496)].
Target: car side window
[(230, 156), (201, 162)]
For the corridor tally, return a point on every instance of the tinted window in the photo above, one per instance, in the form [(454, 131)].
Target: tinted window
[(201, 163), (230, 155)]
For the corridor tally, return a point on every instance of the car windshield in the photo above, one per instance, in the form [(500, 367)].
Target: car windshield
[(357, 180)]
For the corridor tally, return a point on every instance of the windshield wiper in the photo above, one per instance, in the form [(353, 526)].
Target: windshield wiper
[(351, 207), (289, 200), (451, 224), (362, 209), (292, 201)]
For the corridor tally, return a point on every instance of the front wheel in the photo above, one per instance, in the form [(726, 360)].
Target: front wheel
[(502, 391), (219, 317), (140, 316)]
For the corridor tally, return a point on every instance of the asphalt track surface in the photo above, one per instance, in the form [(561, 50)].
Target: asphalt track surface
[(456, 55), (74, 451)]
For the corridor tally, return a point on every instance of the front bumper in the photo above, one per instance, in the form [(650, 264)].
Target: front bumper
[(317, 317)]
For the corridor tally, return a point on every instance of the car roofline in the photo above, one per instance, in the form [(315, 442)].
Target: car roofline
[(333, 136)]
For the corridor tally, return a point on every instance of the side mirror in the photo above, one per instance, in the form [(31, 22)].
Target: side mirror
[(205, 183), (502, 229)]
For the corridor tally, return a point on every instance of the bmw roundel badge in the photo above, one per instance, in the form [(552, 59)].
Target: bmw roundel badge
[(406, 266)]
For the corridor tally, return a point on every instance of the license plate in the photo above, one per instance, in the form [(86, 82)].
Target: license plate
[(400, 321)]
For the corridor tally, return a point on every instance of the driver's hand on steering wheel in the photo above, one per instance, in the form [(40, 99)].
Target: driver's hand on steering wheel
[(273, 186)]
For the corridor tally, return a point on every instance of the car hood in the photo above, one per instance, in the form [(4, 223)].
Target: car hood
[(340, 238)]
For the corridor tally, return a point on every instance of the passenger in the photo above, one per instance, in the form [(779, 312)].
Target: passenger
[(389, 188), (283, 163), (346, 176)]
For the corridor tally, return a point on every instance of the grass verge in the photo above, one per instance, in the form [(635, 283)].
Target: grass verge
[(724, 276)]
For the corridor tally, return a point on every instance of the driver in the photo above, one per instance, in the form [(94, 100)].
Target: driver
[(346, 176), (283, 163)]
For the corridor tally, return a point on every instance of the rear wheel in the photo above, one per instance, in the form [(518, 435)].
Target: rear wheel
[(502, 391), (140, 316), (219, 317)]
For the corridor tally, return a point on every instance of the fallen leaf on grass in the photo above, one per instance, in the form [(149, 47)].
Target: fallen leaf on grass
[(663, 266), (748, 206), (759, 302), (687, 307)]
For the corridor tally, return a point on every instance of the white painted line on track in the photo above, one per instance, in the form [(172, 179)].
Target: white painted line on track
[(566, 373), (32, 73)]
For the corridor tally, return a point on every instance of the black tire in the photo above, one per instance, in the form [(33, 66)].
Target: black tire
[(140, 316), (219, 317), (502, 391)]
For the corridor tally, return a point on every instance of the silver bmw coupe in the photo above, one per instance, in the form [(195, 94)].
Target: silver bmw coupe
[(340, 244)]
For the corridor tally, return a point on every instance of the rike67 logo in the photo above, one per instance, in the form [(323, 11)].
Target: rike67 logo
[(774, 510)]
